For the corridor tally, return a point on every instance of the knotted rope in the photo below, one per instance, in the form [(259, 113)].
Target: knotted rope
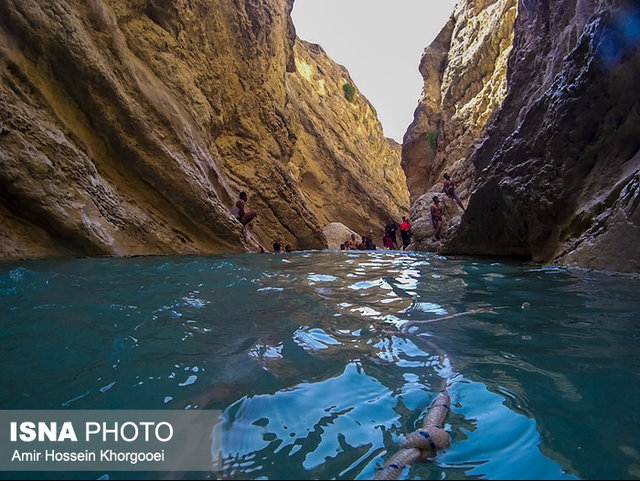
[(423, 443)]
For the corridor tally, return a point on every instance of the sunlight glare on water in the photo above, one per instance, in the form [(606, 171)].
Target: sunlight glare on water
[(302, 354)]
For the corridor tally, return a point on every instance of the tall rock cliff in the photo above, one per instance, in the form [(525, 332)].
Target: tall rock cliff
[(556, 167), (130, 127), (464, 71), (341, 148)]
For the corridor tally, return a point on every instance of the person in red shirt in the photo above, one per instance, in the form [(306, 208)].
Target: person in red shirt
[(405, 232)]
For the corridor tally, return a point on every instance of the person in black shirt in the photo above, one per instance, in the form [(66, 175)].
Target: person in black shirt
[(369, 244), (390, 229)]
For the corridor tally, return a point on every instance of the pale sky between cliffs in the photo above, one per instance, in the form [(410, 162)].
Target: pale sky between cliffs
[(380, 42)]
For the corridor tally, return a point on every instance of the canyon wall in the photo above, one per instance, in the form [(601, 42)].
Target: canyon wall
[(342, 162), (130, 127), (464, 71), (556, 168)]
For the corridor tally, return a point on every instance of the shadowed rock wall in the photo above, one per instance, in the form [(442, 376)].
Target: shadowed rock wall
[(558, 168), (553, 175)]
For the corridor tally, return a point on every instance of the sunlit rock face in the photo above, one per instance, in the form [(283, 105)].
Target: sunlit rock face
[(130, 127), (558, 166), (336, 234), (464, 72), (346, 168), (553, 172)]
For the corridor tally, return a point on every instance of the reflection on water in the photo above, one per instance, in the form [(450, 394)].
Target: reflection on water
[(302, 354)]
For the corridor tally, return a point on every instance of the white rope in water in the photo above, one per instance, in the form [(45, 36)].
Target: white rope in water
[(405, 327), (423, 444)]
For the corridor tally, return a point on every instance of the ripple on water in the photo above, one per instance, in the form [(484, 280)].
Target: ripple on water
[(314, 339), (263, 424), (512, 443), (302, 359), (321, 278), (429, 307)]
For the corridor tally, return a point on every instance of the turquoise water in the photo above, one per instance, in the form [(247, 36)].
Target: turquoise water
[(300, 354)]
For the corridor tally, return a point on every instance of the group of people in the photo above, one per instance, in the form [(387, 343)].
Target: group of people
[(277, 248), (389, 240), (365, 243)]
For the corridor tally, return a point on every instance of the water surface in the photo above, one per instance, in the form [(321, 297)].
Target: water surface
[(300, 353)]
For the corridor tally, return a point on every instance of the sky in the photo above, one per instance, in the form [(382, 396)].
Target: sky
[(380, 42)]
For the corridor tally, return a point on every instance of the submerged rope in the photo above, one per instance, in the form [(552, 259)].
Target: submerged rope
[(405, 327), (423, 443)]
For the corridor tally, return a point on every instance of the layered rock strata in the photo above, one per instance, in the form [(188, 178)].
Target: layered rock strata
[(130, 127)]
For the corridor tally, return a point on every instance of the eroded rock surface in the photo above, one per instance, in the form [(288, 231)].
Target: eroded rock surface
[(559, 165), (345, 167), (464, 72), (336, 234), (552, 174), (130, 127)]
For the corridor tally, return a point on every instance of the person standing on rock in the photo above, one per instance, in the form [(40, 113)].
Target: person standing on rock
[(238, 210), (405, 232), (449, 188), (390, 230), (436, 217)]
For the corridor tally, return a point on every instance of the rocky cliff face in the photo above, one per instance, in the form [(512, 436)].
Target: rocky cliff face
[(464, 72), (129, 127), (340, 147), (557, 164), (559, 174)]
